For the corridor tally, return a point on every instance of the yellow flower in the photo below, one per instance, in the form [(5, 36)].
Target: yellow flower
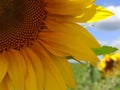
[(110, 65), (37, 36)]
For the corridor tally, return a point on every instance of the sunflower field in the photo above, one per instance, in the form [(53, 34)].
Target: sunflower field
[(90, 78)]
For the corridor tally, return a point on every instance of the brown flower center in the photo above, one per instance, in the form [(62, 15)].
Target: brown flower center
[(110, 64), (20, 22)]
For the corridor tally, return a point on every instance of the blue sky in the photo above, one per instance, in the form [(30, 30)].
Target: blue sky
[(108, 2), (106, 32)]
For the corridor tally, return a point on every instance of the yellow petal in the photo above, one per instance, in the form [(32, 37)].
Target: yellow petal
[(35, 70), (79, 53), (6, 84), (78, 33), (3, 67), (17, 69), (93, 13), (53, 78), (31, 80), (65, 69), (3, 85), (70, 42), (66, 7)]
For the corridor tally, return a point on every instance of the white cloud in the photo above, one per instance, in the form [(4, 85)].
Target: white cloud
[(103, 42), (114, 43), (112, 23)]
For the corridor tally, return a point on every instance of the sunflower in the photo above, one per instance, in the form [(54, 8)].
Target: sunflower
[(37, 36), (110, 65)]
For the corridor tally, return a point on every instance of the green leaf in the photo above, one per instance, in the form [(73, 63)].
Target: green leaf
[(69, 57), (104, 50)]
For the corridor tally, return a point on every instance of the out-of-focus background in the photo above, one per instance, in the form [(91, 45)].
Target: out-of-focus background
[(89, 78), (107, 32)]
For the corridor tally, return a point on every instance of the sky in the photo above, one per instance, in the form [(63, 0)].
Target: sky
[(107, 31)]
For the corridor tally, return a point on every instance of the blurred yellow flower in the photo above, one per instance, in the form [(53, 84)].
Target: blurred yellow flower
[(110, 65), (37, 36)]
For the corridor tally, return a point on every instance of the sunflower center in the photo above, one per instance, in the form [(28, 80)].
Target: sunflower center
[(20, 22), (110, 64), (10, 13)]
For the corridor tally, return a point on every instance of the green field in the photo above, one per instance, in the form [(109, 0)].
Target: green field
[(89, 78)]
